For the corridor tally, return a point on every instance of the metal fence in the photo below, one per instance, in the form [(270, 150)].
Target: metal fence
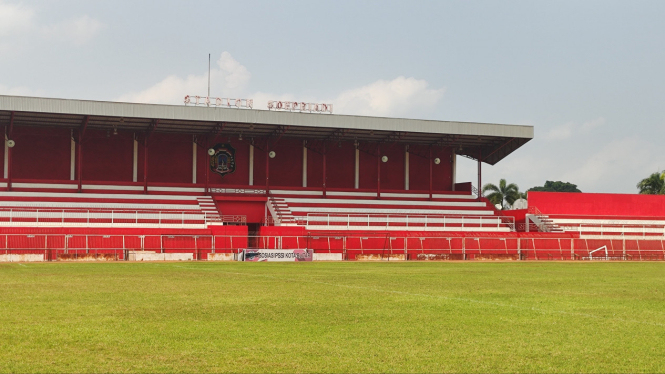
[(71, 247)]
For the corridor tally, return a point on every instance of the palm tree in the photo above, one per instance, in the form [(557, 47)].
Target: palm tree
[(507, 193), (653, 185)]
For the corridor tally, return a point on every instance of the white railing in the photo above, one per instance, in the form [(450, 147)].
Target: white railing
[(542, 222), (378, 221), (617, 229), (276, 219), (101, 217), (476, 191)]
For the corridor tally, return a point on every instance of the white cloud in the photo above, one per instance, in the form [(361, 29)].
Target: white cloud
[(77, 31), (20, 26), (19, 91), (228, 78), (235, 75), (567, 130), (613, 164), (590, 125), (261, 99), (564, 131), (397, 97), (15, 18)]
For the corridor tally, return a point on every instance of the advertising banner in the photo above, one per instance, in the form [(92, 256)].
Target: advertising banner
[(276, 255)]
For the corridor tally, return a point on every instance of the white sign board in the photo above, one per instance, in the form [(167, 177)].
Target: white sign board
[(219, 102), (296, 106)]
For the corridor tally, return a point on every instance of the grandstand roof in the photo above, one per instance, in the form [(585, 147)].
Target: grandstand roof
[(495, 140)]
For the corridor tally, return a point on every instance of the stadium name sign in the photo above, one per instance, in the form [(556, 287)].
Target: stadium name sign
[(219, 101), (300, 106)]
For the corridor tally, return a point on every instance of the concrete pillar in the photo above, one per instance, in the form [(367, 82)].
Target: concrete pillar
[(454, 169), (6, 173), (72, 157), (304, 164), (194, 162), (356, 184), (135, 167), (251, 164), (406, 168)]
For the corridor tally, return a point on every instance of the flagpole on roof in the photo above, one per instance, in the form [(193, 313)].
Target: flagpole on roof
[(208, 74)]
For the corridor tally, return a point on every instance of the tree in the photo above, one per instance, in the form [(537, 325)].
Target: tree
[(557, 186), (653, 185), (504, 194)]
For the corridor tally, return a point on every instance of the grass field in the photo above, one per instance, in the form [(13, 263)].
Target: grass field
[(332, 317)]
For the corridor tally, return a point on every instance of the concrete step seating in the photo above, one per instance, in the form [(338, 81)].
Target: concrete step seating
[(29, 209), (394, 211), (620, 226)]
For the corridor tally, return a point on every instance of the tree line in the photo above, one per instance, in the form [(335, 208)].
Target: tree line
[(505, 194), (654, 184)]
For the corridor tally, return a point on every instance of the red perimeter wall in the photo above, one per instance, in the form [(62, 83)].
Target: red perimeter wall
[(598, 204)]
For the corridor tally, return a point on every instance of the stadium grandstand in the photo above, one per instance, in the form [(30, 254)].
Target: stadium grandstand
[(90, 180)]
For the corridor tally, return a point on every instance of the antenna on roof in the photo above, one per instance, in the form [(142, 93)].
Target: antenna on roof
[(208, 74)]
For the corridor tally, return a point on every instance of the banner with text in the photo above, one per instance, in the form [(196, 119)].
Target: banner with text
[(277, 255)]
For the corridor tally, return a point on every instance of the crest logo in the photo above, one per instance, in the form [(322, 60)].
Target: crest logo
[(223, 160)]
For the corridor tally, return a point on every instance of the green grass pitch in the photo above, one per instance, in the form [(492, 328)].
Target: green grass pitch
[(332, 317)]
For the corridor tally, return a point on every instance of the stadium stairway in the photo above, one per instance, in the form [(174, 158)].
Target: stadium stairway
[(208, 206), (541, 222)]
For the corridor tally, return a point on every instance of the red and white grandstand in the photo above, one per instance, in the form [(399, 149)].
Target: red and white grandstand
[(92, 180)]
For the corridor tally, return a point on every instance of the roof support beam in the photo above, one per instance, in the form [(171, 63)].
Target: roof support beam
[(84, 126), (431, 173), (279, 132), (447, 140), (395, 137), (216, 131), (337, 135), (151, 128), (10, 131), (498, 149), (480, 172), (145, 164), (316, 146), (11, 125), (373, 151), (79, 152)]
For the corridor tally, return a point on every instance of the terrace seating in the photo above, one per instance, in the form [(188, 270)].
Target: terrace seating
[(625, 226), (30, 209), (342, 210)]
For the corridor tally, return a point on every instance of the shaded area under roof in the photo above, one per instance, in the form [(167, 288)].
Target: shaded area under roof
[(493, 141)]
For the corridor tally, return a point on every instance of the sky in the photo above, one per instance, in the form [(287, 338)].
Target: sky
[(588, 75)]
